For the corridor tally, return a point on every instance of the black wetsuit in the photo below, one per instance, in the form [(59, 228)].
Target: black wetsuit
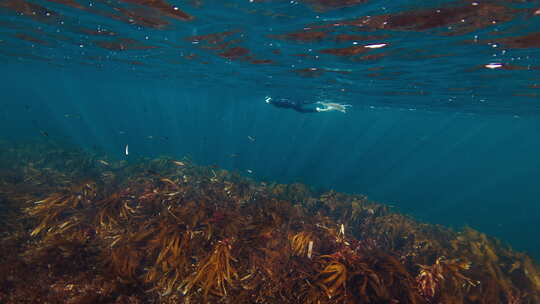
[(298, 106)]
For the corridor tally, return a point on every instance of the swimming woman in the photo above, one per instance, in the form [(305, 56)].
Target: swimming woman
[(307, 107)]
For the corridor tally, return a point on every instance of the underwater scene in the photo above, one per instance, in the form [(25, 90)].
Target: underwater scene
[(270, 151)]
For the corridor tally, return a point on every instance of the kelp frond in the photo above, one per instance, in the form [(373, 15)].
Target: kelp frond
[(431, 279), (56, 212), (332, 280), (216, 272), (124, 259), (170, 248), (302, 243)]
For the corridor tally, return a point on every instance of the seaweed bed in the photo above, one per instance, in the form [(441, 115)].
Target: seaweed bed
[(79, 228)]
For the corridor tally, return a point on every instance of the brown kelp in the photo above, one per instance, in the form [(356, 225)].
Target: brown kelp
[(82, 228)]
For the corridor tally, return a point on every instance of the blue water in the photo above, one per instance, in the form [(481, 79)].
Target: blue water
[(432, 129)]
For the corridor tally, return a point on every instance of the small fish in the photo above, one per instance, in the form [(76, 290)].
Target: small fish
[(375, 46), (121, 132), (127, 149), (252, 139), (249, 171), (152, 172), (150, 137), (44, 133), (494, 65), (103, 162), (179, 163), (233, 155)]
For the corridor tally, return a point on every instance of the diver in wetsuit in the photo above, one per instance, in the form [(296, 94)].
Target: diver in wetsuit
[(307, 107), (298, 106)]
